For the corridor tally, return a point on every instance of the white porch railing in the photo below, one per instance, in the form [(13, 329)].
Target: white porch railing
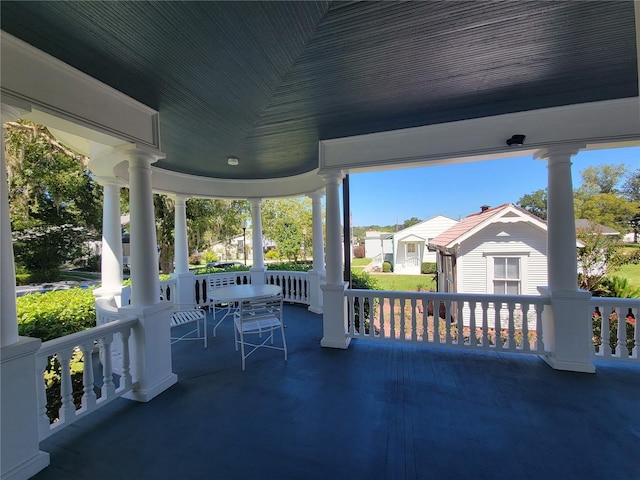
[(295, 285), (622, 339), (62, 350), (471, 321)]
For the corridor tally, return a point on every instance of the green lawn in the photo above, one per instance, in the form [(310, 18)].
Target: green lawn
[(630, 272), (410, 283), (360, 262)]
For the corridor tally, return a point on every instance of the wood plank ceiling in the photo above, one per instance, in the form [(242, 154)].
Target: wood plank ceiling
[(264, 81)]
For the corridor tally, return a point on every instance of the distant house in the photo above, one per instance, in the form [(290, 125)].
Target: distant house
[(582, 224), (500, 250), (409, 246), (378, 246)]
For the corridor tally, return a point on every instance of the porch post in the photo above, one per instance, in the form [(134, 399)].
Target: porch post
[(317, 273), (111, 261), (185, 297), (20, 456), (151, 357), (567, 327), (335, 303), (258, 268)]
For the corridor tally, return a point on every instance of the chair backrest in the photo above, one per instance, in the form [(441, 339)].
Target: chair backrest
[(259, 308), (217, 281)]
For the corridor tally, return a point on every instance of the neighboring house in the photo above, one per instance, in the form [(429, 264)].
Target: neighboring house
[(409, 246), (500, 250), (378, 246), (582, 224)]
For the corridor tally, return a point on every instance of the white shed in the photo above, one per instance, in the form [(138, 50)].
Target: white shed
[(500, 250)]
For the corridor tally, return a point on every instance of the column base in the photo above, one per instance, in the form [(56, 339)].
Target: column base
[(318, 310), (148, 393), (335, 343), (567, 365), (28, 469)]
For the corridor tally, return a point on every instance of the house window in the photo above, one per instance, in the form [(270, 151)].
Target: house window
[(506, 275), (411, 248)]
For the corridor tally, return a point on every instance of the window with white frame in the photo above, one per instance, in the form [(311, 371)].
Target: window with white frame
[(507, 275), (411, 248)]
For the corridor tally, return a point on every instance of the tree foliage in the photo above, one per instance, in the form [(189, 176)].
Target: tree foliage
[(535, 203), (288, 222), (55, 207), (599, 255), (410, 221), (602, 178), (610, 209)]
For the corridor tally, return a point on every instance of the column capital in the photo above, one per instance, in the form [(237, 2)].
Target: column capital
[(179, 198), (135, 152), (316, 194), (334, 177), (110, 181), (255, 201), (558, 152)]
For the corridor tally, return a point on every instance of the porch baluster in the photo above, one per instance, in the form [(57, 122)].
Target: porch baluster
[(473, 342), (108, 388), (125, 379), (447, 323), (622, 350), (485, 325), (459, 322), (41, 385), (511, 341), (68, 409), (414, 321), (539, 339), (88, 394), (525, 327), (605, 337)]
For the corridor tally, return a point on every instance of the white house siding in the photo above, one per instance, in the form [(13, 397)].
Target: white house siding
[(521, 238), (426, 230), (375, 245)]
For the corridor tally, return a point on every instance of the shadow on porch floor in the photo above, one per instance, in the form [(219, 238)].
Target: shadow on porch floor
[(374, 411)]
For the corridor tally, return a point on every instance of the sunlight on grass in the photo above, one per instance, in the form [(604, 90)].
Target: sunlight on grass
[(630, 272), (406, 283)]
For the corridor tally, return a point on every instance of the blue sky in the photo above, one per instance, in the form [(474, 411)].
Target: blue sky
[(384, 198)]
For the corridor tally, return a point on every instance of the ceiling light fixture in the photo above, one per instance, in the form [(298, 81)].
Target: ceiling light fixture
[(233, 161), (516, 140)]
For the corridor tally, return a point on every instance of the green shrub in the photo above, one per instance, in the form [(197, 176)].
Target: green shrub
[(55, 314), (386, 267), (209, 257), (299, 266), (272, 255), (428, 268), (363, 281)]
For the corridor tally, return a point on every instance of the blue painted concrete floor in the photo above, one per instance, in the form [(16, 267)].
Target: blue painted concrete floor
[(374, 411)]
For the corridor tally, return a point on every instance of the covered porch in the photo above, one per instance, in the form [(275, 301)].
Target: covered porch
[(298, 95), (378, 410)]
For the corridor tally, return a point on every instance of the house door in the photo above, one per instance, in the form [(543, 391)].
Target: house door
[(412, 253)]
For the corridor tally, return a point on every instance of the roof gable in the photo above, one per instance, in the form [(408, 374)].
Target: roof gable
[(506, 213)]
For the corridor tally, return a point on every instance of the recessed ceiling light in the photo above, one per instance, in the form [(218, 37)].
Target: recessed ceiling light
[(233, 161)]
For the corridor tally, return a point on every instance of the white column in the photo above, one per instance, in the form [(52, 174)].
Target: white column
[(567, 328), (20, 456), (111, 262), (8, 317), (184, 298), (181, 244), (151, 366), (317, 273), (145, 285), (258, 268), (334, 320)]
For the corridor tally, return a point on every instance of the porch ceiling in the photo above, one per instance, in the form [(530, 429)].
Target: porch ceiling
[(265, 81)]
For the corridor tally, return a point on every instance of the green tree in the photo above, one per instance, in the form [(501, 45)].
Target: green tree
[(55, 207), (288, 222), (610, 209), (602, 178), (535, 203), (631, 186), (411, 221)]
